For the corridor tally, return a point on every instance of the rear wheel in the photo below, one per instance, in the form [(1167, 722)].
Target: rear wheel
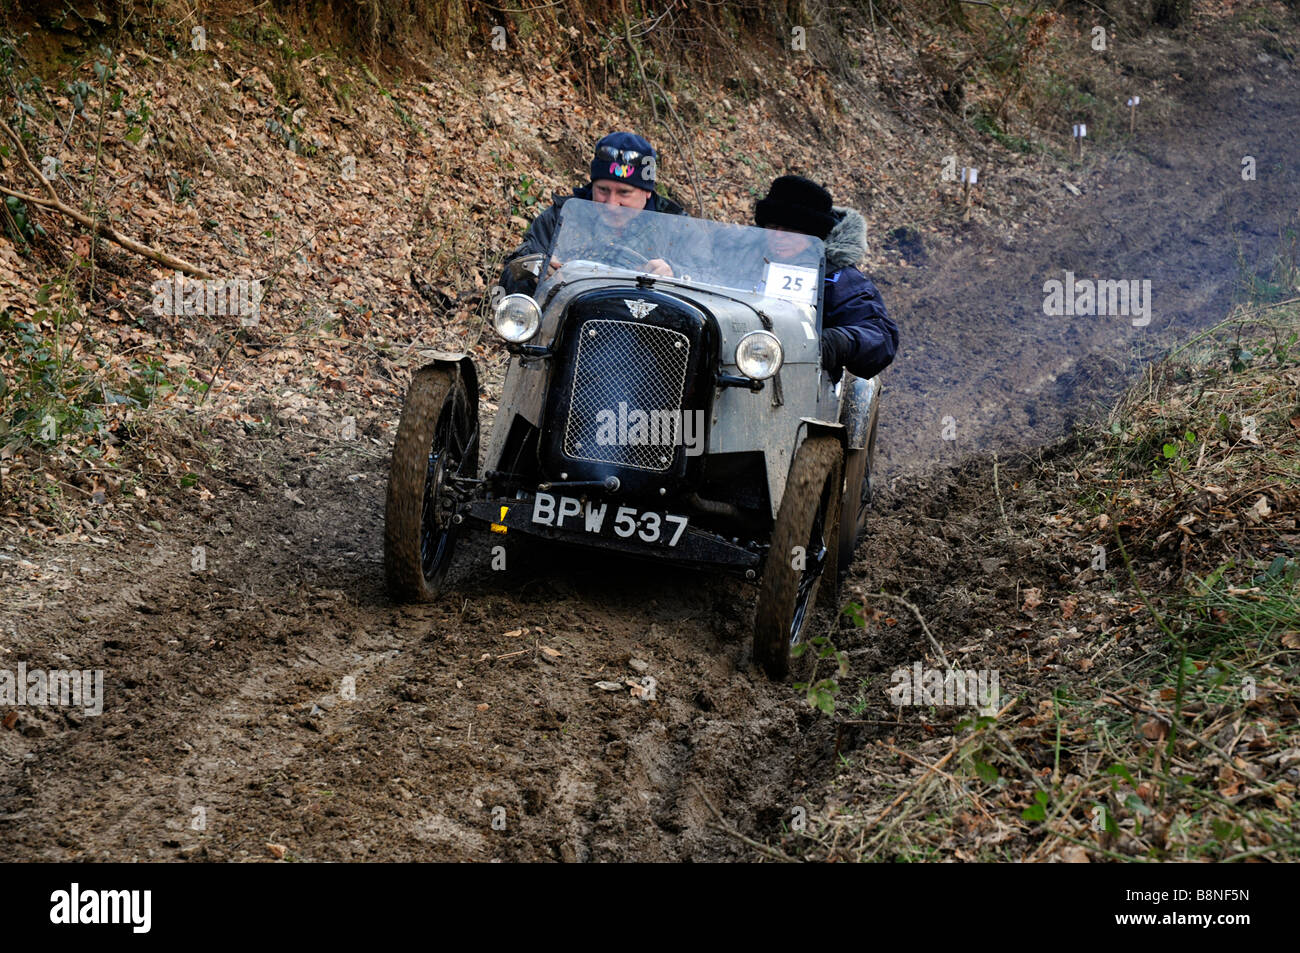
[(802, 554), (437, 440), (858, 468)]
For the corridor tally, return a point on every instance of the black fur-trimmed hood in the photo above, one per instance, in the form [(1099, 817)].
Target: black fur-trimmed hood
[(847, 243)]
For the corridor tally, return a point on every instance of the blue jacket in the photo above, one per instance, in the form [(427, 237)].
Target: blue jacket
[(854, 319)]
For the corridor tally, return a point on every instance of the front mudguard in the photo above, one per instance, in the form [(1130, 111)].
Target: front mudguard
[(461, 361)]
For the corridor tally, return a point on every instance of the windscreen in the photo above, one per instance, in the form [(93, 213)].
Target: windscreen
[(759, 261)]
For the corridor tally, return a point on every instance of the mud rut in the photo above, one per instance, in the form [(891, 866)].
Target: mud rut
[(223, 686)]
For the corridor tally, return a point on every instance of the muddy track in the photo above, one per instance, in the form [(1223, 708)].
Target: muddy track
[(228, 698), (227, 688), (1173, 209)]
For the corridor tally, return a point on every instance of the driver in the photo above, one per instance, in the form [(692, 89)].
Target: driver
[(623, 174), (857, 332)]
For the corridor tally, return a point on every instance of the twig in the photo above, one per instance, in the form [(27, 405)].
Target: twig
[(636, 55), (997, 488), (1144, 710), (906, 794), (106, 231), (100, 228), (94, 177), (647, 83), (938, 649), (690, 165), (932, 769), (27, 160), (727, 828), (216, 370), (975, 798), (1113, 855)]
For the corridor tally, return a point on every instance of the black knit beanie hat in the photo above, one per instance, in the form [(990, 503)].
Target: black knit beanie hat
[(798, 204)]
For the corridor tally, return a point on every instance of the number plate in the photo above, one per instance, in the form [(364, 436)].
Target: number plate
[(607, 519)]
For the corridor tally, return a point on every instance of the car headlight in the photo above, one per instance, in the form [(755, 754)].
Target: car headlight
[(759, 355), (517, 318)]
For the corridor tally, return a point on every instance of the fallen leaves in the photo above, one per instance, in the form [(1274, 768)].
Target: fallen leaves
[(1033, 598), (1155, 730), (1259, 511)]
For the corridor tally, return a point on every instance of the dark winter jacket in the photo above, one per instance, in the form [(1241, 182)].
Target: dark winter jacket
[(540, 234), (857, 332)]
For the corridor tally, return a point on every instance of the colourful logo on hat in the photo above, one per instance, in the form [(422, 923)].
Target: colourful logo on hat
[(621, 171)]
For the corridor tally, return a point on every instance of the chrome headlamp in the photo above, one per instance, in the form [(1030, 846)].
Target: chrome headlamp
[(517, 318), (759, 355)]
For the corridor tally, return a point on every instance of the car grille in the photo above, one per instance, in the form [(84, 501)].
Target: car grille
[(641, 367)]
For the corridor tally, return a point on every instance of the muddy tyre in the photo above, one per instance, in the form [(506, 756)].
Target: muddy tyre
[(808, 518), (436, 440), (859, 465)]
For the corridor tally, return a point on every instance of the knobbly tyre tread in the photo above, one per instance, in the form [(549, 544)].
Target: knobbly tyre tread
[(430, 387), (815, 460)]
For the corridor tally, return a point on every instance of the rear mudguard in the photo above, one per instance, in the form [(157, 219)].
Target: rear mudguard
[(856, 409)]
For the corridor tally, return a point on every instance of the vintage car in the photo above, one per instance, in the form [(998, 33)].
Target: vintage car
[(680, 417)]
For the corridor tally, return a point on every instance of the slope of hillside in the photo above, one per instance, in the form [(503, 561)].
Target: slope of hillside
[(1129, 599)]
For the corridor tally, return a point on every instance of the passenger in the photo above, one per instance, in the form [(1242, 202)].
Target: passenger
[(857, 332)]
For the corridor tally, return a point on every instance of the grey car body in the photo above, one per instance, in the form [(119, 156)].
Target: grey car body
[(726, 348)]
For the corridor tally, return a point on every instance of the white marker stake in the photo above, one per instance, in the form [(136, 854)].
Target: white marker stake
[(968, 178), (1132, 110), (1080, 133)]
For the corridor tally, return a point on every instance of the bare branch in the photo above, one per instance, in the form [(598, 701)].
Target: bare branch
[(97, 227)]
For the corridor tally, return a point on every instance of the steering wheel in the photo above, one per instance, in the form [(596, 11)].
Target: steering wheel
[(635, 257)]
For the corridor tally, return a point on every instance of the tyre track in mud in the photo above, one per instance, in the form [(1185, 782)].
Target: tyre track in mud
[(223, 699), (225, 688)]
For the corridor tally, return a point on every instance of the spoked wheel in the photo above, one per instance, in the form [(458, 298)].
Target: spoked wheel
[(802, 555), (858, 468), (437, 439)]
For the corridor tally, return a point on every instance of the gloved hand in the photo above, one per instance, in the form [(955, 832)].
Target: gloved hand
[(834, 347)]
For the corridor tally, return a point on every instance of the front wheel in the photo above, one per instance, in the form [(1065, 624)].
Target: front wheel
[(803, 553), (437, 441)]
